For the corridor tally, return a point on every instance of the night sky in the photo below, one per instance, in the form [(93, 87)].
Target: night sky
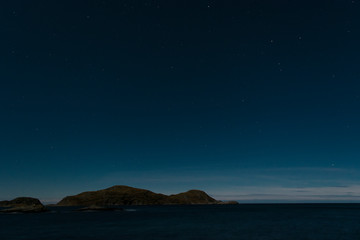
[(248, 100)]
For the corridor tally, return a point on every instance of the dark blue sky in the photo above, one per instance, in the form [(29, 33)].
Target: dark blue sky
[(249, 100)]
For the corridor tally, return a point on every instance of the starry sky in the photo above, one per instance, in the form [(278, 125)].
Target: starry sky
[(252, 100)]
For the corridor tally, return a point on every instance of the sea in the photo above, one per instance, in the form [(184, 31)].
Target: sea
[(244, 221)]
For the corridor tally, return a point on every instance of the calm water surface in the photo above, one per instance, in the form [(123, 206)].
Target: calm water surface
[(268, 221)]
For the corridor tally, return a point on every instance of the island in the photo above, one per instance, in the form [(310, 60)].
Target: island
[(124, 195), (22, 205)]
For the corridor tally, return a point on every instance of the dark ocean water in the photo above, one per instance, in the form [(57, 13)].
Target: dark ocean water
[(258, 221)]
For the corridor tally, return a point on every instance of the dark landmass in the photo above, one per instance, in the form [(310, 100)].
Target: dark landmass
[(23, 205), (117, 195), (124, 195), (20, 202), (191, 197)]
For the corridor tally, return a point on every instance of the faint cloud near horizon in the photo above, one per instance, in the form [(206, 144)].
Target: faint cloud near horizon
[(279, 194)]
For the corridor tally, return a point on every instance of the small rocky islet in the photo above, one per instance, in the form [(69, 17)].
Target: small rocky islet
[(108, 200), (95, 208), (23, 205)]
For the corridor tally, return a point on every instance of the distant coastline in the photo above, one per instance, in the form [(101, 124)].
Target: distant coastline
[(119, 195)]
